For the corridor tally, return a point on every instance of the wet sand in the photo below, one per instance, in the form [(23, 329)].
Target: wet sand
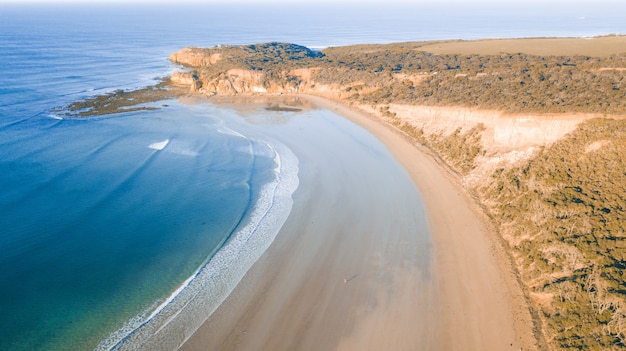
[(382, 251)]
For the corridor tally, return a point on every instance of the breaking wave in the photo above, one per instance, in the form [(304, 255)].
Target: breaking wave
[(170, 322)]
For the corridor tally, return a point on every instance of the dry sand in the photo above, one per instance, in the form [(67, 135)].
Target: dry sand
[(592, 46), (346, 275)]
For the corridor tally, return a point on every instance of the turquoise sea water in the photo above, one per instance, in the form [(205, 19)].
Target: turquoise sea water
[(103, 220)]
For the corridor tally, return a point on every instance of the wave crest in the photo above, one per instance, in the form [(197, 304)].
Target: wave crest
[(175, 319)]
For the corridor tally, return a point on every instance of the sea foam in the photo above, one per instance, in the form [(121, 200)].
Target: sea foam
[(159, 145), (168, 325), (54, 116)]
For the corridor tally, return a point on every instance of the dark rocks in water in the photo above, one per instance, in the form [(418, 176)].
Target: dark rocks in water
[(277, 107), (122, 101)]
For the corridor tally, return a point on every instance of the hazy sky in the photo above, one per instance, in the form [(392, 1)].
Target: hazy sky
[(502, 4)]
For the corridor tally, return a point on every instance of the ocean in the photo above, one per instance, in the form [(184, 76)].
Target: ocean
[(111, 224)]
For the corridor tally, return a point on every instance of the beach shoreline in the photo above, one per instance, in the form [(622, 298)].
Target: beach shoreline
[(473, 301), (495, 274)]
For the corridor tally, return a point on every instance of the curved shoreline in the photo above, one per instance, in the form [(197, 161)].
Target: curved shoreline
[(474, 300), (176, 318), (487, 275)]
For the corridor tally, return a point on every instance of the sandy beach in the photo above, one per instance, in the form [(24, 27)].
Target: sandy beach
[(355, 267)]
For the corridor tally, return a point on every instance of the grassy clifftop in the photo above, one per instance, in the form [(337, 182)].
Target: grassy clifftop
[(511, 81), (413, 73)]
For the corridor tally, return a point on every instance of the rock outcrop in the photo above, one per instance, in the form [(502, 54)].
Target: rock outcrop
[(195, 57), (189, 79), (235, 70)]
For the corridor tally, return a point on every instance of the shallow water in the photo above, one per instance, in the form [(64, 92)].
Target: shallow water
[(98, 223)]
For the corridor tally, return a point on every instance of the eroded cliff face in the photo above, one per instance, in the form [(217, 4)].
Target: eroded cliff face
[(483, 141), (188, 79), (502, 131), (195, 57), (248, 82)]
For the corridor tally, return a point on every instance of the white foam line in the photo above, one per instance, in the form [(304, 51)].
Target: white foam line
[(184, 311), (227, 131), (159, 145), (172, 296)]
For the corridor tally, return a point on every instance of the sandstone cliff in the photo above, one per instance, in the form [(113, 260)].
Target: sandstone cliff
[(195, 57)]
